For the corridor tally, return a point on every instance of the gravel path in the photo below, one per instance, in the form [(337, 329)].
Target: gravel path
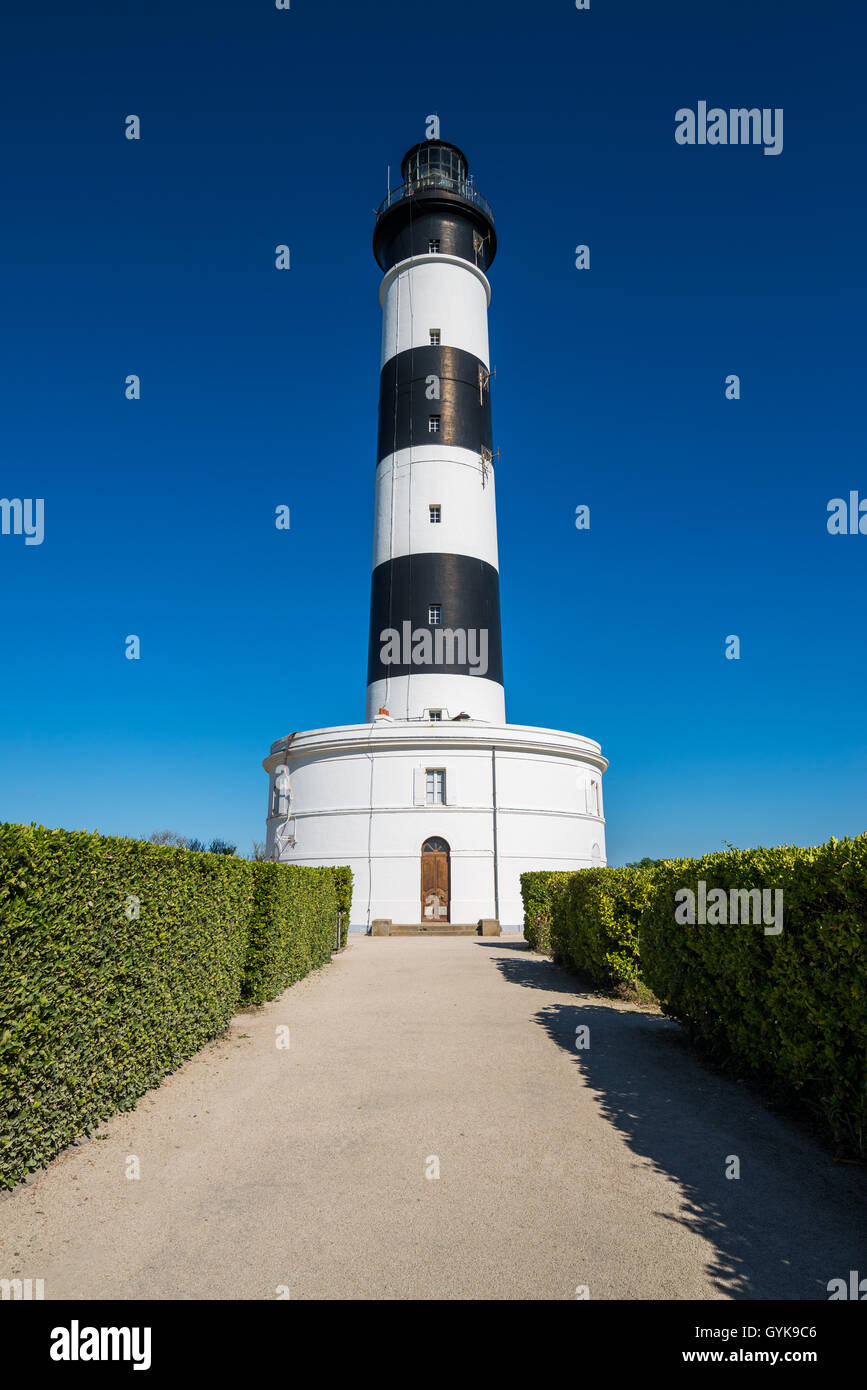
[(303, 1169)]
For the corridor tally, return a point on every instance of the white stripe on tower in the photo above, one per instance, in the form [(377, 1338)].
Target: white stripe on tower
[(435, 529)]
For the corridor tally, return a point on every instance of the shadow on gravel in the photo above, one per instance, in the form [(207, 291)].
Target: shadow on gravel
[(793, 1220), (501, 945), (535, 974)]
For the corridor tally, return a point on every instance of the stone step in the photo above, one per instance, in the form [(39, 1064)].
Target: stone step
[(439, 929), (383, 926)]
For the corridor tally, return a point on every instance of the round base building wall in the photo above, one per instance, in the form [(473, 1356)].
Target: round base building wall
[(496, 800)]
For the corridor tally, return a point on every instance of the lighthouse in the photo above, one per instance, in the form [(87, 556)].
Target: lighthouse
[(435, 645), (435, 801)]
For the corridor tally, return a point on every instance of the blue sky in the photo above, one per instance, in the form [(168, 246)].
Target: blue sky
[(259, 388)]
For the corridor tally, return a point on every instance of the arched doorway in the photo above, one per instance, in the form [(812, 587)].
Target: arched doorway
[(435, 880)]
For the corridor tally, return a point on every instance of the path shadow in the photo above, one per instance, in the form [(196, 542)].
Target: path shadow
[(501, 945), (533, 973), (793, 1220)]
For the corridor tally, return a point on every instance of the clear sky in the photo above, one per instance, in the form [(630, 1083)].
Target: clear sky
[(259, 388)]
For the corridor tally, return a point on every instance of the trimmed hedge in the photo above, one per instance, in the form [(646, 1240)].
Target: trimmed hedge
[(276, 958), (788, 1011), (119, 959), (537, 888), (596, 915), (343, 885), (588, 919)]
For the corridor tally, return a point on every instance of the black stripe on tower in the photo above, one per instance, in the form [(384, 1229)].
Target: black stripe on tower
[(407, 407), (467, 591), (453, 228)]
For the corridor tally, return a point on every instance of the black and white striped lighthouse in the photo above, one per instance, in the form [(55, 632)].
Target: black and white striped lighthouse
[(435, 802), (435, 645)]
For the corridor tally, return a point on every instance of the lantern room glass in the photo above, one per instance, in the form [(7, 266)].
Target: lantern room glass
[(436, 166)]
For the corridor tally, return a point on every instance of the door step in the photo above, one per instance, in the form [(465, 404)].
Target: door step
[(383, 926), (433, 929)]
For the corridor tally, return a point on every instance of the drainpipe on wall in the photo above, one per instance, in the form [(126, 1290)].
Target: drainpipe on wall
[(496, 852)]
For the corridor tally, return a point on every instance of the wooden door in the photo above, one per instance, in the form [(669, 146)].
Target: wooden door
[(435, 887)]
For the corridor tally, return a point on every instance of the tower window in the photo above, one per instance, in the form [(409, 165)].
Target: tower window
[(433, 247), (436, 513), (435, 788), (435, 714), (433, 424), (434, 337), (435, 615)]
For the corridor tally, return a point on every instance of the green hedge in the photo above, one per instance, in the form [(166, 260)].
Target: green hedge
[(537, 888), (343, 885), (588, 919), (119, 959), (276, 958), (596, 914), (787, 1010)]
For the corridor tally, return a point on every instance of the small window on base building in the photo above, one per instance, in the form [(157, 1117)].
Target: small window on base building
[(435, 786)]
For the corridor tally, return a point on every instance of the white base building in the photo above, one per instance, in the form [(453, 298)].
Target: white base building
[(515, 798)]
